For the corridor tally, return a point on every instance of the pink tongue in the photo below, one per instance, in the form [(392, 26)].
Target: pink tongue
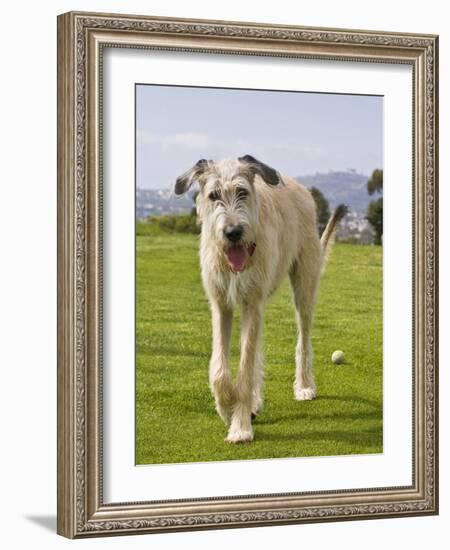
[(237, 257)]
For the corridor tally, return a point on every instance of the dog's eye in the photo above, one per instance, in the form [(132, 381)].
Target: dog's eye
[(214, 196), (241, 193)]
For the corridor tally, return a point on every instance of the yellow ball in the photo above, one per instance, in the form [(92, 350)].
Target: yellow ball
[(338, 357)]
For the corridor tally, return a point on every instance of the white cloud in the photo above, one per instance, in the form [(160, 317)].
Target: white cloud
[(190, 140), (295, 148), (187, 140), (205, 145)]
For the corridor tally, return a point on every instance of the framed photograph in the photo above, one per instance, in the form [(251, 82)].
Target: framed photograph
[(247, 274)]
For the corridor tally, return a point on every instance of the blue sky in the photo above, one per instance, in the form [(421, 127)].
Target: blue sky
[(295, 132)]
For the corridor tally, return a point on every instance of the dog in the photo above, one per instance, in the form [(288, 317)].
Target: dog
[(257, 227)]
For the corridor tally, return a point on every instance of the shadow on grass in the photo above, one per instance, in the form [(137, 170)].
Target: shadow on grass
[(202, 404), (311, 411), (313, 415), (360, 438), (351, 398)]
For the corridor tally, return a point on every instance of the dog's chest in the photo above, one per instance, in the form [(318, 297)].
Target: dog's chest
[(233, 288)]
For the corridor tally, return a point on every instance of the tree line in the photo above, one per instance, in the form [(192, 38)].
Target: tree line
[(374, 210), (187, 223)]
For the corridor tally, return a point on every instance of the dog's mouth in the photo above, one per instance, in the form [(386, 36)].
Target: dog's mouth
[(238, 256)]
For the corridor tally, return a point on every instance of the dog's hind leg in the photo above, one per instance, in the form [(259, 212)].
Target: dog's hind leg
[(241, 425), (304, 280), (219, 371)]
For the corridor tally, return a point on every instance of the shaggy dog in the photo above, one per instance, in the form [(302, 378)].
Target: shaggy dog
[(257, 227)]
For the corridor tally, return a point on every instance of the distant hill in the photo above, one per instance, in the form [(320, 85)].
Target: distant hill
[(348, 187), (155, 202), (338, 187)]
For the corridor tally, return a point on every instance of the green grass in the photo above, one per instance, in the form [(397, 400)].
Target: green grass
[(175, 416)]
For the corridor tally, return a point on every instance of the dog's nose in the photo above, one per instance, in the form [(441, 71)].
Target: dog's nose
[(233, 232)]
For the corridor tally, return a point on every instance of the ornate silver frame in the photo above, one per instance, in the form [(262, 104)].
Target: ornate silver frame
[(81, 38)]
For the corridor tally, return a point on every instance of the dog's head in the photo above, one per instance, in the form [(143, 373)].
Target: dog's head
[(227, 204)]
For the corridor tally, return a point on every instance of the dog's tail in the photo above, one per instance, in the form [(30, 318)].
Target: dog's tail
[(329, 233)]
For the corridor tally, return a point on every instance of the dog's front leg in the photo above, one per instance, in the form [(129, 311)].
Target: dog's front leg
[(219, 371), (241, 425)]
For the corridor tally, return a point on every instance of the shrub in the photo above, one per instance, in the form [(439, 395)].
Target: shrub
[(174, 223)]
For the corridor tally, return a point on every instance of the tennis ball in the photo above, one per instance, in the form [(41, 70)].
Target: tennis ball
[(338, 357)]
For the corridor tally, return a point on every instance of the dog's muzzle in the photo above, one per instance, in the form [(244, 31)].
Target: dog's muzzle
[(233, 233), (238, 253)]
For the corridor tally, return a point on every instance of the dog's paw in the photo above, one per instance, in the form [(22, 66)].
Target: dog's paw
[(305, 394), (239, 436)]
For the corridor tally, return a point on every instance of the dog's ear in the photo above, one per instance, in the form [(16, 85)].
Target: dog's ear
[(268, 174), (187, 179)]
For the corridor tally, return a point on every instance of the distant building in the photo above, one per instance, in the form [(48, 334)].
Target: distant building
[(154, 202)]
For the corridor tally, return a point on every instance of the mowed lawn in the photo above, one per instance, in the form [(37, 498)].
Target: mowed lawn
[(175, 416)]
